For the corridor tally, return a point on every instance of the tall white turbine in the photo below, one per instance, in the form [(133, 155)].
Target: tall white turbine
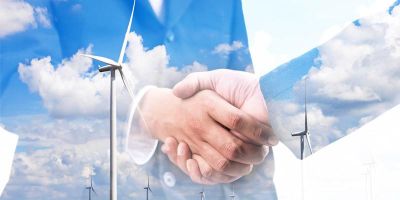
[(111, 66)]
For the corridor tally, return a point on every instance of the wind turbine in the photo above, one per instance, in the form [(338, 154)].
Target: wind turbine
[(111, 66), (202, 194), (304, 133), (147, 188), (90, 188), (233, 196)]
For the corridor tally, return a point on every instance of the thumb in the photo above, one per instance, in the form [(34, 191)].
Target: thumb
[(192, 84)]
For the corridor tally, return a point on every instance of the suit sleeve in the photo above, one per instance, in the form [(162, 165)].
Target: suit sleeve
[(344, 83)]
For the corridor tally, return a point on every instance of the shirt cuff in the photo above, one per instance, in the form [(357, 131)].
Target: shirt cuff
[(140, 145)]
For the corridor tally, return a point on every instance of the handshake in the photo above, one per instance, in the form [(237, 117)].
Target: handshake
[(214, 124)]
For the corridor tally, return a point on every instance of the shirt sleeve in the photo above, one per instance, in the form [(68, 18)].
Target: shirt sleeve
[(140, 145)]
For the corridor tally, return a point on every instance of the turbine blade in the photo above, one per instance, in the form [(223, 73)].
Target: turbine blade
[(150, 190), (309, 142), (305, 120), (305, 105), (123, 48), (94, 191), (126, 82), (101, 59)]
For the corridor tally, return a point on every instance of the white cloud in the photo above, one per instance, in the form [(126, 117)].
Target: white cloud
[(264, 60), (225, 48), (358, 80), (18, 15), (15, 16), (360, 65), (374, 8), (42, 17), (69, 90), (54, 165)]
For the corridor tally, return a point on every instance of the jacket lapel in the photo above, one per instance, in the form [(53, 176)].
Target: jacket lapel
[(175, 9)]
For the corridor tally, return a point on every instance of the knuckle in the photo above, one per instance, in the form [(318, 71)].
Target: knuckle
[(233, 150), (235, 120), (195, 125), (258, 133), (222, 165)]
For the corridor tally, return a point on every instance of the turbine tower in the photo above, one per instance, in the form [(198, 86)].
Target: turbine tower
[(304, 133), (147, 188), (232, 196), (111, 66), (90, 188)]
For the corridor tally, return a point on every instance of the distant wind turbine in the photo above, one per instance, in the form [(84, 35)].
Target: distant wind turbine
[(202, 194), (232, 196), (111, 66), (90, 188), (305, 133), (148, 188)]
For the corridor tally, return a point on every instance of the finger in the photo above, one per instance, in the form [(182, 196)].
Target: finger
[(222, 164), (191, 84), (237, 120), (183, 155), (233, 148), (169, 148), (195, 173), (209, 174)]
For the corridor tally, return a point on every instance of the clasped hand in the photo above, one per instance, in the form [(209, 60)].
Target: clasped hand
[(214, 124)]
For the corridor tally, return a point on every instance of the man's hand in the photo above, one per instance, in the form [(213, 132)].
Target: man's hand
[(242, 90), (203, 122)]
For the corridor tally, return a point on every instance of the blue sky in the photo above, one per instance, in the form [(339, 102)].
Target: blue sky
[(53, 132)]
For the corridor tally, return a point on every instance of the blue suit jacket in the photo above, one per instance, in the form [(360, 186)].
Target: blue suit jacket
[(192, 31)]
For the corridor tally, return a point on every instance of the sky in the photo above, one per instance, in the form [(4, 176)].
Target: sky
[(55, 131), (281, 30)]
